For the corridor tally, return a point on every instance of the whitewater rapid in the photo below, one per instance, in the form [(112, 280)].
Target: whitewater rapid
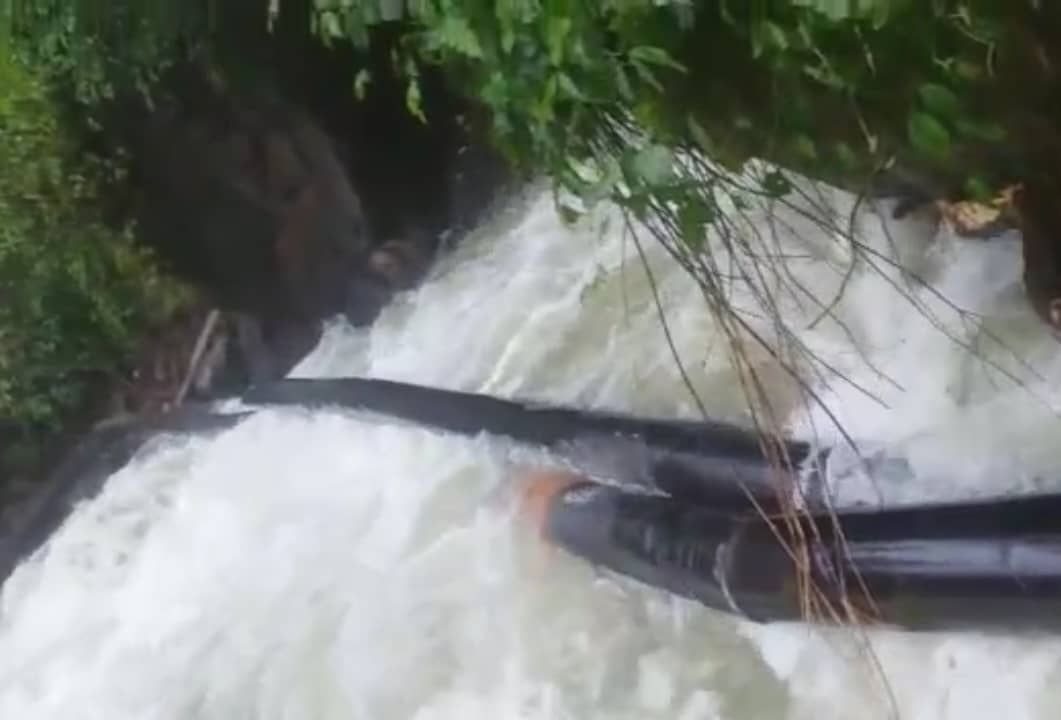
[(327, 565)]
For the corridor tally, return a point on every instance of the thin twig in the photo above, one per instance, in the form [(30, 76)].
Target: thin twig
[(207, 331)]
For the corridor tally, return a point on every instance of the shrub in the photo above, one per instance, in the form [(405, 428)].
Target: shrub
[(74, 293)]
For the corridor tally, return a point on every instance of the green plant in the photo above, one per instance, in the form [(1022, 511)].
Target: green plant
[(830, 88), (75, 293), (665, 107), (97, 48)]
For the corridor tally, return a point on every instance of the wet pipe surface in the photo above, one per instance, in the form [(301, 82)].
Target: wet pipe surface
[(986, 565)]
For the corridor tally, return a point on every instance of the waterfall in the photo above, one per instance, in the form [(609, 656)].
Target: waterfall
[(329, 565)]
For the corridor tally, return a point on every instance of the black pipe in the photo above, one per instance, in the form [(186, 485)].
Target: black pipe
[(984, 565), (707, 461)]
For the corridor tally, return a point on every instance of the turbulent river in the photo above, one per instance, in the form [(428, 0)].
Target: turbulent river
[(329, 565)]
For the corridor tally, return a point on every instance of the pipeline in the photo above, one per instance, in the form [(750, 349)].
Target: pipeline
[(961, 566), (986, 565), (710, 529), (714, 463)]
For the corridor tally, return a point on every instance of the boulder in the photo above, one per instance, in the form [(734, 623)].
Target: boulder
[(243, 195)]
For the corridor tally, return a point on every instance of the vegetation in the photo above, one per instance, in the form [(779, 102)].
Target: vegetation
[(664, 108), (94, 50), (659, 106), (76, 294), (835, 90)]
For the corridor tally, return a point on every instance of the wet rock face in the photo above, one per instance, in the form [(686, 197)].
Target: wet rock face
[(244, 196), (402, 264), (283, 223), (1038, 215)]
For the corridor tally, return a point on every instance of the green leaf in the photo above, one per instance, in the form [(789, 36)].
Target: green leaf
[(968, 71), (826, 75), (653, 165), (880, 14), (570, 89), (556, 37), (981, 130), (543, 108), (876, 11), (693, 217), (804, 147), (330, 26), (457, 34), (622, 82), (414, 100), (638, 204), (611, 175), (495, 92), (977, 189), (655, 56), (361, 82), (356, 29), (700, 135), (757, 41), (928, 135), (846, 156), (832, 9), (646, 76), (939, 100), (508, 40), (778, 37), (768, 34)]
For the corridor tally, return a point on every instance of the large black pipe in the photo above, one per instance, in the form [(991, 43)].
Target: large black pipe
[(985, 565), (982, 565), (711, 462)]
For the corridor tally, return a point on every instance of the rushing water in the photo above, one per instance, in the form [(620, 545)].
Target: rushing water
[(316, 566)]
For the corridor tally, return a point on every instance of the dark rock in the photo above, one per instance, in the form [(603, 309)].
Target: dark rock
[(270, 348), (401, 263), (420, 182), (1039, 214), (245, 197), (480, 178)]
